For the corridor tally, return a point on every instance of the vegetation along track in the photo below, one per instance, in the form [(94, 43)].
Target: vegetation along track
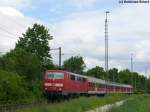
[(81, 104), (138, 103)]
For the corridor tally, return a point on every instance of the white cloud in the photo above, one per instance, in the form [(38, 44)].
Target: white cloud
[(12, 24), (9, 11), (82, 3), (83, 33), (128, 31), (15, 3)]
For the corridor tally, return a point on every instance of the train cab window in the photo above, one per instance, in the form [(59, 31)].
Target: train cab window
[(55, 75), (72, 77)]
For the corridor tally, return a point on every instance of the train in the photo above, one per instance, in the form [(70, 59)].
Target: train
[(64, 83)]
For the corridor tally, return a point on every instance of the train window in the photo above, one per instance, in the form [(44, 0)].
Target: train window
[(84, 79), (78, 78), (55, 75), (50, 75), (72, 77), (101, 86), (92, 85), (96, 85), (81, 79)]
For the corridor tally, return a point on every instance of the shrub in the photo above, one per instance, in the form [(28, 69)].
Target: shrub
[(11, 87)]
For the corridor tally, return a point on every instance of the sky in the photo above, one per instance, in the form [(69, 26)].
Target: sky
[(78, 27)]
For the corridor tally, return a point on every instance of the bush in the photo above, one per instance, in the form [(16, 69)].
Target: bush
[(81, 104), (11, 87), (23, 63), (23, 81), (138, 103)]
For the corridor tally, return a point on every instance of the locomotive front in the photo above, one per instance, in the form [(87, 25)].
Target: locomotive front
[(53, 82)]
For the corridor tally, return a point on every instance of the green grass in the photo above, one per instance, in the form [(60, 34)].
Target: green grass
[(138, 103), (77, 105)]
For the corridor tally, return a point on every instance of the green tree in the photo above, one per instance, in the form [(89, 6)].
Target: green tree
[(36, 41), (97, 72), (125, 76), (22, 62), (113, 75), (74, 64), (140, 83), (12, 87), (148, 85)]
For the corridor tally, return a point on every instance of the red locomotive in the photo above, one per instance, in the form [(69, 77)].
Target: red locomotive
[(59, 82)]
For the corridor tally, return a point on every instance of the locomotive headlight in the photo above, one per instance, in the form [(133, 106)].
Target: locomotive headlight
[(54, 84), (48, 84), (59, 85)]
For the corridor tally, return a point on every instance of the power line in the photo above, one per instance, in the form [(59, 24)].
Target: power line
[(11, 37), (8, 18), (8, 32)]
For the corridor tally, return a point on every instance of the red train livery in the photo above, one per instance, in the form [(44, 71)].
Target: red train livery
[(59, 82)]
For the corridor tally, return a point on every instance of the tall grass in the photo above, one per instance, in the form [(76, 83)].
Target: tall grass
[(139, 103), (77, 105)]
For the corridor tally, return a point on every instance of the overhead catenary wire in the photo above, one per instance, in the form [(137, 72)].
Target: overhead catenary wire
[(14, 21), (8, 32), (12, 35)]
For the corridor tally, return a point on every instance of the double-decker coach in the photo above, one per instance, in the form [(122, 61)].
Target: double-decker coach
[(96, 86)]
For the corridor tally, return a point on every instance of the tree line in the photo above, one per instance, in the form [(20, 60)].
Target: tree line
[(22, 69), (140, 83)]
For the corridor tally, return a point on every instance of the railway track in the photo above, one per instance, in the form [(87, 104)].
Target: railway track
[(15, 107)]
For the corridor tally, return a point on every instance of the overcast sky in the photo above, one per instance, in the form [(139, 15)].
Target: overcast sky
[(78, 27)]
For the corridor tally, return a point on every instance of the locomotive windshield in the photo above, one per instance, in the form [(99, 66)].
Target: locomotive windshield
[(55, 75)]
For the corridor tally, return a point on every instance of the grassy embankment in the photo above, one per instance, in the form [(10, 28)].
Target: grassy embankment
[(77, 105), (138, 103)]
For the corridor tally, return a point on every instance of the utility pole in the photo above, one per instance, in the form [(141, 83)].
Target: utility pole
[(106, 49), (60, 57), (132, 62), (1, 54), (59, 48), (133, 79), (106, 42), (132, 69), (146, 80)]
